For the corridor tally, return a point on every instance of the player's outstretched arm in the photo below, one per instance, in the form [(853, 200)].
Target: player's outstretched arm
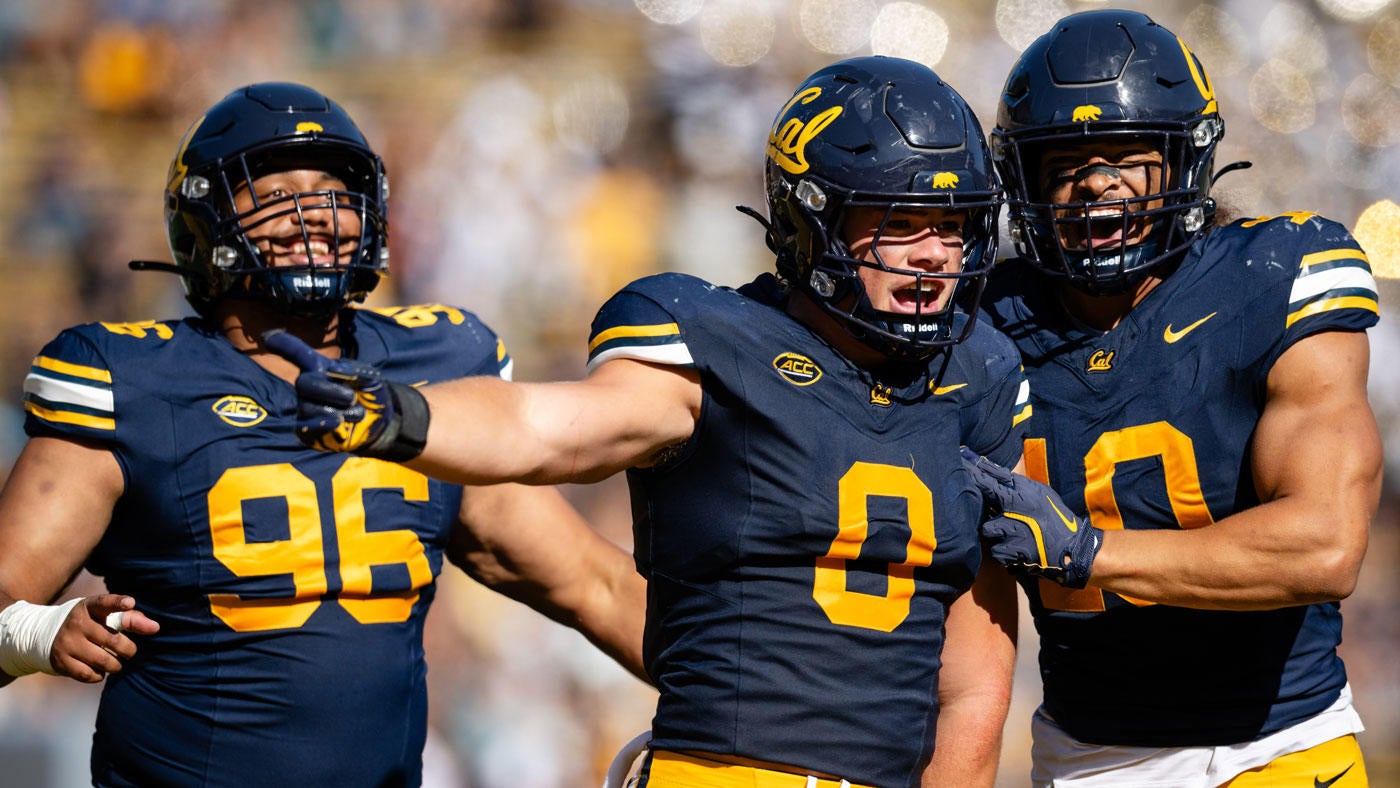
[(53, 510), (1316, 460), (974, 684), (484, 430), (531, 545)]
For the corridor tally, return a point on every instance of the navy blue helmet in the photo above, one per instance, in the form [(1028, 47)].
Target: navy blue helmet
[(256, 130), (1103, 77), (886, 133)]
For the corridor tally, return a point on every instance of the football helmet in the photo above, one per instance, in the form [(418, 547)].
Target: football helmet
[(256, 130), (887, 133), (1103, 77)]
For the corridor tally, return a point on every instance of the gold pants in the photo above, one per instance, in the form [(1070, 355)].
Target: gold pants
[(675, 770), (1331, 764)]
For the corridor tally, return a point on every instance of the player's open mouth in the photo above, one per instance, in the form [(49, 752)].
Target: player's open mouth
[(921, 296), (317, 252), (1107, 230)]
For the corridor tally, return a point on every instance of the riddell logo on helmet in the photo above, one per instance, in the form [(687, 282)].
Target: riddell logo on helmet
[(797, 369), (787, 142), (1086, 113)]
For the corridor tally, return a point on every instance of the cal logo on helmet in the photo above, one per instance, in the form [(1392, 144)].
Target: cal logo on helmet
[(1086, 113), (797, 369), (787, 142), (238, 410)]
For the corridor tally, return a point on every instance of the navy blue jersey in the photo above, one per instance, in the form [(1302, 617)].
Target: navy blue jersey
[(290, 585), (804, 544), (1149, 426)]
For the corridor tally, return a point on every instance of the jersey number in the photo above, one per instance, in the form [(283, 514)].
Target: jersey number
[(302, 555), (869, 611), (1183, 483)]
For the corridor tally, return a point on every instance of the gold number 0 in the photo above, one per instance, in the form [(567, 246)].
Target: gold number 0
[(1182, 481), (302, 555), (870, 611)]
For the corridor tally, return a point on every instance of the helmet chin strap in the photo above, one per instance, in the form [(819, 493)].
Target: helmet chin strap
[(1110, 274)]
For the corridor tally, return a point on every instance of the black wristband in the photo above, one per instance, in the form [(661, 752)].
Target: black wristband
[(407, 433)]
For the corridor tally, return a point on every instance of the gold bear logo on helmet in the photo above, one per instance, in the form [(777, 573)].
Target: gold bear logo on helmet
[(1086, 113), (945, 180)]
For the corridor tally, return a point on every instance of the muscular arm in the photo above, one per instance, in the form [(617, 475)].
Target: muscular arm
[(53, 510), (486, 431), (531, 545), (1317, 467), (974, 685)]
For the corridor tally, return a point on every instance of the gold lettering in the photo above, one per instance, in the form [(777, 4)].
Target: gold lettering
[(787, 143)]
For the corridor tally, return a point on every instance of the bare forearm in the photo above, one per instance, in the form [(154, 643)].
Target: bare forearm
[(968, 746), (487, 431), (1270, 556), (974, 684), (480, 433)]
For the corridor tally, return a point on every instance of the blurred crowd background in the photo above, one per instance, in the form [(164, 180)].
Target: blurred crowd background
[(545, 152)]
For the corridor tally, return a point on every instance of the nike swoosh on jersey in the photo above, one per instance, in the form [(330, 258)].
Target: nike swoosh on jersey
[(1319, 783), (1171, 336), (948, 389)]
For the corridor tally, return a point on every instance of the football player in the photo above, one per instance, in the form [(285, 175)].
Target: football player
[(289, 585), (801, 510), (1199, 393)]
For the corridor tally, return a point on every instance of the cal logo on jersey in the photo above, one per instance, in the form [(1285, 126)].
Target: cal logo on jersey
[(1101, 361), (238, 410), (797, 369)]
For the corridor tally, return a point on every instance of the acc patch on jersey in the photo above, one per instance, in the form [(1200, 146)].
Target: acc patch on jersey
[(238, 410), (797, 369)]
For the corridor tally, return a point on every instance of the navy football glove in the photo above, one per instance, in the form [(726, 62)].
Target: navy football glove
[(346, 406), (1029, 528)]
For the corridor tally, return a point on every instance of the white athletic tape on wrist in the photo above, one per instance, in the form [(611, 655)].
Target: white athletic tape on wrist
[(27, 633)]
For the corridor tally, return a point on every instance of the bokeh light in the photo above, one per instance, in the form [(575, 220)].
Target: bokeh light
[(910, 31), (1281, 98), (1378, 232), (837, 27), (1353, 10), (592, 115), (737, 33), (1290, 33), (1370, 108), (1019, 22), (1383, 50), (1218, 40), (669, 12)]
